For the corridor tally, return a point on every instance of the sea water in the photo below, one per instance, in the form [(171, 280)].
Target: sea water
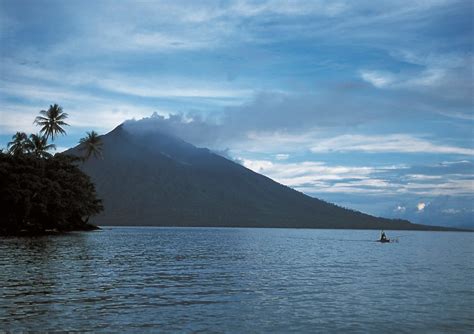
[(238, 280)]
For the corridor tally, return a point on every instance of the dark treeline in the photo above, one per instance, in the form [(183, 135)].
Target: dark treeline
[(40, 195), (43, 193)]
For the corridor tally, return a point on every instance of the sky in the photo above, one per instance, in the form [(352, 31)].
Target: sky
[(367, 104)]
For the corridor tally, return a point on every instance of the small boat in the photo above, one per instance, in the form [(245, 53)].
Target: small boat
[(383, 238)]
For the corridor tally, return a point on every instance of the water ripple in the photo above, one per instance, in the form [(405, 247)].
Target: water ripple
[(237, 280)]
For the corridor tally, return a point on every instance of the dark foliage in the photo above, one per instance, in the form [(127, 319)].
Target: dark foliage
[(40, 195)]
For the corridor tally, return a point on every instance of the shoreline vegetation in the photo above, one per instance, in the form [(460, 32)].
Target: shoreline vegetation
[(42, 193)]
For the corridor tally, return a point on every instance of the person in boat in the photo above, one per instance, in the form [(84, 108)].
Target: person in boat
[(383, 237)]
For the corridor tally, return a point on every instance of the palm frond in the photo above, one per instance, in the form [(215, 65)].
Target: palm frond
[(41, 119), (52, 121), (38, 145), (62, 116), (92, 144)]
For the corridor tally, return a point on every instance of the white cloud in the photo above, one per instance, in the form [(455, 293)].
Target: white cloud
[(312, 169), (290, 8), (400, 209), (262, 141), (436, 79), (450, 184), (41, 92), (15, 118), (177, 89), (378, 79), (420, 177), (317, 141), (66, 85), (451, 211), (425, 78), (160, 41), (318, 178), (106, 115), (259, 166), (421, 206), (282, 156), (430, 60), (400, 143)]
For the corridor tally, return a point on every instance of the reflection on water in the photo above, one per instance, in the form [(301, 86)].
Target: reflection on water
[(237, 280)]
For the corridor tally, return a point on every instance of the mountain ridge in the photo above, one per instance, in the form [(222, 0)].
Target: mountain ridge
[(148, 178)]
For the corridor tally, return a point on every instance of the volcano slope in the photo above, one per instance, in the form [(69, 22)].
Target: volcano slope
[(148, 178)]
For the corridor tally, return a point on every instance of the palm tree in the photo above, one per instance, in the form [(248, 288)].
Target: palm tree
[(92, 144), (18, 145), (38, 145), (52, 121)]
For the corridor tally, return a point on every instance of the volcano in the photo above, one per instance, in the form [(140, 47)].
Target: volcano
[(150, 178)]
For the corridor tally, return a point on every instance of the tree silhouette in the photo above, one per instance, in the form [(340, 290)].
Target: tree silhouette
[(41, 193), (52, 121), (38, 146), (92, 144), (18, 145), (38, 195)]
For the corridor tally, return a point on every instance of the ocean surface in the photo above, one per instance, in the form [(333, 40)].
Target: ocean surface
[(238, 280)]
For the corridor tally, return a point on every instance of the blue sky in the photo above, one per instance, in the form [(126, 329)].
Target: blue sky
[(368, 104)]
